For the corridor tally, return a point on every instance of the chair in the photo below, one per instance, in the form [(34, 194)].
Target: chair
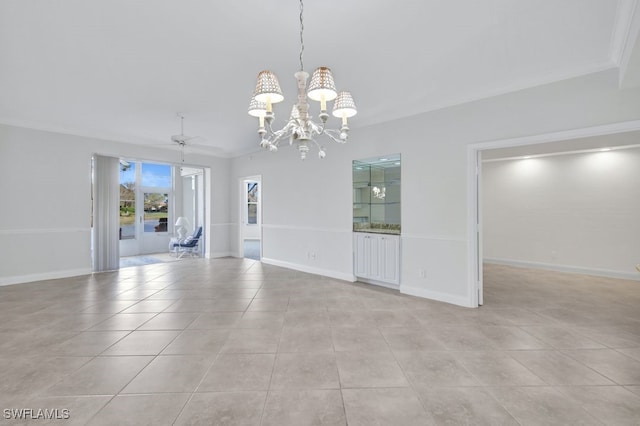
[(188, 245)]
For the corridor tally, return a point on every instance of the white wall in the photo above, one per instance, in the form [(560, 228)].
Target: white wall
[(577, 212), (307, 205), (45, 219)]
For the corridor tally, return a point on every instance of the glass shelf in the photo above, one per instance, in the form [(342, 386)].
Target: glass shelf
[(376, 194)]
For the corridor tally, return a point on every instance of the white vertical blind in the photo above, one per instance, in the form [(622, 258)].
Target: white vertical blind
[(106, 216)]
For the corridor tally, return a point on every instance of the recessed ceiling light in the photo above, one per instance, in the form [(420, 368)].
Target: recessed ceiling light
[(605, 149), (383, 159), (526, 157)]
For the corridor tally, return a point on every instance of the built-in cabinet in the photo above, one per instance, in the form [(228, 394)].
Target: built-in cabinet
[(377, 258), (376, 220)]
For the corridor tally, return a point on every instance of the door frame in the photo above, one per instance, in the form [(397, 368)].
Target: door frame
[(475, 284)]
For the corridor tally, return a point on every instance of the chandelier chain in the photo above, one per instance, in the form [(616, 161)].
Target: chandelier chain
[(301, 36)]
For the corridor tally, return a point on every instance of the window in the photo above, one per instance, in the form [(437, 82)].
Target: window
[(252, 203), (145, 194)]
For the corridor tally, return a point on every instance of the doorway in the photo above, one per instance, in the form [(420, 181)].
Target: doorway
[(153, 198), (561, 141), (251, 217)]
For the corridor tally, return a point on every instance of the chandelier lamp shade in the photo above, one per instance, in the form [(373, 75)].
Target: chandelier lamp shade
[(300, 130)]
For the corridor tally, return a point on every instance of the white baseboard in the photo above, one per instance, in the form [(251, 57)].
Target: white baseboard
[(378, 283), (310, 270), (22, 279), (566, 268), (436, 295)]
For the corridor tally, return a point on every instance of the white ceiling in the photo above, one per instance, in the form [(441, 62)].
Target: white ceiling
[(122, 69)]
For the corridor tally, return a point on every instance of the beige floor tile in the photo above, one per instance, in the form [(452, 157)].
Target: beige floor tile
[(269, 305), (66, 410), (410, 339), (306, 319), (88, 343), (369, 370), (261, 319), (28, 376), (498, 369), (381, 407), (175, 374), (561, 337), (215, 320), (223, 408), (146, 306), (306, 339), (252, 340), (358, 339), (306, 407), (239, 372), (309, 370), (100, 376), (620, 368), (170, 321), (123, 322), (464, 406), (610, 404), (542, 406), (197, 342), (556, 368), (141, 410), (424, 368), (570, 331), (142, 343)]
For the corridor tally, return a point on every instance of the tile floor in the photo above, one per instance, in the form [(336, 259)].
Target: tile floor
[(232, 341)]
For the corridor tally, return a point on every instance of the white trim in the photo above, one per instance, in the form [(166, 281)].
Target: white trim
[(607, 129), (474, 249), (309, 269), (42, 231), (378, 283), (565, 268), (21, 279), (556, 154), (436, 295), (213, 225), (307, 228)]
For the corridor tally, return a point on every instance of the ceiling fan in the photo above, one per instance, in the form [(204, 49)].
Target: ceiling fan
[(182, 140)]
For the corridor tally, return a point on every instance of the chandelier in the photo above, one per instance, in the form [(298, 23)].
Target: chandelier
[(300, 129)]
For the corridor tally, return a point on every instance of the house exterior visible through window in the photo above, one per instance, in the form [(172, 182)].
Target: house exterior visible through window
[(252, 203)]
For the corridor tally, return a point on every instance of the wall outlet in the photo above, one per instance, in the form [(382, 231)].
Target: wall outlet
[(422, 273), (311, 255)]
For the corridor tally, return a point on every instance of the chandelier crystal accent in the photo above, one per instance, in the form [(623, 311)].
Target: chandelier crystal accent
[(300, 129)]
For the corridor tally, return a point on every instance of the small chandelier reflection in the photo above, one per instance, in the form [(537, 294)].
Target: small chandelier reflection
[(379, 192), (300, 129)]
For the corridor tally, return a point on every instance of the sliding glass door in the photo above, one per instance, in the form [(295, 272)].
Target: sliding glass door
[(146, 207)]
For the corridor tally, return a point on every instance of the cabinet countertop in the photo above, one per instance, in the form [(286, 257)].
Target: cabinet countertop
[(378, 231)]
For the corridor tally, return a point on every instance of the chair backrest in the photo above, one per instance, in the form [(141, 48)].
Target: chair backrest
[(197, 233)]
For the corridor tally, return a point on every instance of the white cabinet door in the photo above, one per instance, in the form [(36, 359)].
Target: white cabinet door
[(367, 254), (390, 259), (377, 257), (361, 261)]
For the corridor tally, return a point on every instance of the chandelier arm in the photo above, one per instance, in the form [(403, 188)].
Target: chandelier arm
[(336, 135)]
